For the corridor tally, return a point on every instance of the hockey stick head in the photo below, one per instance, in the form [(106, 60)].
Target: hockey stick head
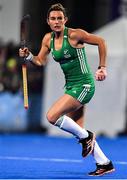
[(24, 29)]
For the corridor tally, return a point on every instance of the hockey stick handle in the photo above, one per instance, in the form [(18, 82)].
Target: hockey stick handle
[(25, 86)]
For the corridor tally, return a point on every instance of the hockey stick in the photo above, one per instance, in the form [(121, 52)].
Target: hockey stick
[(23, 38)]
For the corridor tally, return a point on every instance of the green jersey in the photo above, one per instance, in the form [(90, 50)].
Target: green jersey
[(73, 62)]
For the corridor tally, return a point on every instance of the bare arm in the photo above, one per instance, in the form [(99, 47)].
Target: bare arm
[(89, 38), (85, 37), (41, 58)]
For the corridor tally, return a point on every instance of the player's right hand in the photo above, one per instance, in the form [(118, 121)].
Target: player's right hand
[(24, 52)]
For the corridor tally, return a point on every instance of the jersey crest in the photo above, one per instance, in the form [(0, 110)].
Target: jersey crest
[(66, 53)]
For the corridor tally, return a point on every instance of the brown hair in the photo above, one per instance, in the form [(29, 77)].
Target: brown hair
[(56, 7)]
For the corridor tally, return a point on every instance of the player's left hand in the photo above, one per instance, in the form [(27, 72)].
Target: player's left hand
[(101, 74)]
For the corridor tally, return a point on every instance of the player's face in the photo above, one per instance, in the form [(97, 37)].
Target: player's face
[(56, 21)]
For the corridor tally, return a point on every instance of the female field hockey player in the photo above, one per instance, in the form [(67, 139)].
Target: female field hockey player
[(68, 49)]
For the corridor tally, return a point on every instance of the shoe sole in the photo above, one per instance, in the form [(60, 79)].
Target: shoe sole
[(110, 171), (92, 146)]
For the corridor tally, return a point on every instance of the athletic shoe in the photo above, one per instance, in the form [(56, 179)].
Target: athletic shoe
[(102, 169), (87, 144)]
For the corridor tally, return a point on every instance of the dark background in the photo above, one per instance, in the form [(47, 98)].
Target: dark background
[(86, 14)]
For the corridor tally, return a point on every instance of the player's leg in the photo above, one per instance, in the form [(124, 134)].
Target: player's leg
[(78, 116), (102, 162), (57, 116)]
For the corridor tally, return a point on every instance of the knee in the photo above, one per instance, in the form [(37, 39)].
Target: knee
[(51, 117)]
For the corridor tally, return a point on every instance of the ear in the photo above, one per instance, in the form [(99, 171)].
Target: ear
[(66, 19), (47, 21)]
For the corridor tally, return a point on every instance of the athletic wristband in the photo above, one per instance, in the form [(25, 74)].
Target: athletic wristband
[(29, 57), (99, 67)]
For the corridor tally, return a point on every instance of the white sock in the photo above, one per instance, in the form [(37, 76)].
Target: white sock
[(67, 124), (99, 156)]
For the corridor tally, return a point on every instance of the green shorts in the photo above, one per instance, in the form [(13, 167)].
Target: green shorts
[(82, 93)]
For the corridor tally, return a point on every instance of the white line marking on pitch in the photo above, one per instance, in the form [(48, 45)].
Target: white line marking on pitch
[(52, 159), (41, 159)]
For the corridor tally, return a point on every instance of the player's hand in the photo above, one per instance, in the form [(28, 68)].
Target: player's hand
[(101, 74), (24, 52)]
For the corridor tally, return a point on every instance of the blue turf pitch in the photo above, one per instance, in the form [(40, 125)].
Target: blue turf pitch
[(34, 156)]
